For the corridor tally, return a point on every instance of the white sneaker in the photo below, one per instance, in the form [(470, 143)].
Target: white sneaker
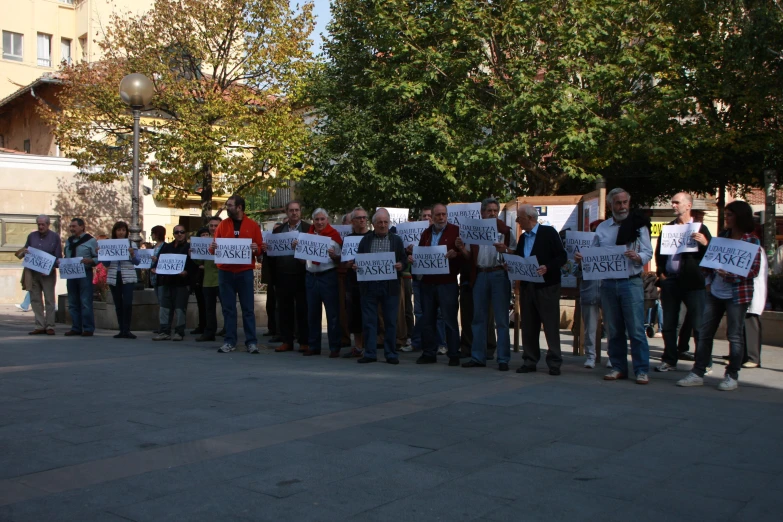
[(608, 362), (442, 350), (226, 348), (691, 380), (252, 348), (408, 341), (163, 336), (666, 367), (642, 378), (728, 384), (590, 363), (22, 309), (177, 337), (708, 371), (406, 348)]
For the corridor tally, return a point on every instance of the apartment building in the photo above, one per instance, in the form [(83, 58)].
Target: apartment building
[(38, 35)]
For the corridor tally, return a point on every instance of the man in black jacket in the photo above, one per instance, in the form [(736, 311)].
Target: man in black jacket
[(540, 302), (681, 281), (175, 291), (383, 293)]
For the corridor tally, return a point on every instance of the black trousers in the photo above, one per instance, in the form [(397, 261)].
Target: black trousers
[(210, 294), (271, 309), (202, 312), (292, 307), (752, 339), (540, 305)]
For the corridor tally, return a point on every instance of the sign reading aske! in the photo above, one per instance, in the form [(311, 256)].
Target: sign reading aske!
[(731, 255), (233, 251), (396, 215), (199, 248), (113, 250), (523, 268), (410, 232), (38, 261), (343, 230), (350, 246), (479, 231), (576, 241), (676, 239), (459, 211), (279, 245), (375, 267), (312, 247), (72, 268), (171, 264), (604, 263), (430, 260), (144, 255)]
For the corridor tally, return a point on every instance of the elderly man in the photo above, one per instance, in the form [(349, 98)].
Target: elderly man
[(321, 285), (37, 283), (681, 281), (353, 301), (441, 291), (491, 291), (540, 302), (622, 300), (83, 245), (383, 293)]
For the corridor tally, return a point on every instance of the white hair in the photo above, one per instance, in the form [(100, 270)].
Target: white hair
[(320, 210), (378, 212), (529, 210), (45, 218), (615, 191)]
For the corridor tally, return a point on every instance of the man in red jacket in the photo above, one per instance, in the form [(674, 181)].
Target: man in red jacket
[(237, 280), (441, 290)]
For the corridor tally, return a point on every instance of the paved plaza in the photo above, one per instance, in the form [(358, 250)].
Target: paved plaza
[(104, 429)]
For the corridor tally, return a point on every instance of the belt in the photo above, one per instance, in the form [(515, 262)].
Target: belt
[(324, 272), (493, 269)]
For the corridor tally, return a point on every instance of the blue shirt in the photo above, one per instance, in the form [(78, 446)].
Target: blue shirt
[(530, 239), (436, 236)]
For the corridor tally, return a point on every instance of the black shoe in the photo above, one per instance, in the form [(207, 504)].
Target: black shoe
[(554, 371), (120, 336), (427, 359), (222, 333), (453, 361), (503, 367), (270, 333), (526, 369), (197, 331), (203, 338), (275, 339), (473, 364), (392, 361), (156, 332), (686, 356), (129, 335), (364, 360)]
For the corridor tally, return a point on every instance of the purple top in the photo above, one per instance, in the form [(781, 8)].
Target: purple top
[(49, 243)]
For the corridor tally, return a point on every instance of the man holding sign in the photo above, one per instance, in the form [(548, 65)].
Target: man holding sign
[(385, 293), (42, 284), (84, 246), (236, 279), (622, 299), (679, 275), (173, 287)]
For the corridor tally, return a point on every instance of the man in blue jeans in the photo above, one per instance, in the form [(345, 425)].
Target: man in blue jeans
[(81, 244), (426, 215)]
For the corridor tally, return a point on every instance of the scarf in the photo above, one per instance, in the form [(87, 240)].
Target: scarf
[(74, 242), (629, 229)]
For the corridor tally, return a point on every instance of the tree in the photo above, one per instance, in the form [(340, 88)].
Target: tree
[(226, 115)]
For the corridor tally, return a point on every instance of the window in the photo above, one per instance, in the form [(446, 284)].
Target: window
[(65, 50), (83, 47), (12, 46), (66, 2), (44, 50), (14, 229)]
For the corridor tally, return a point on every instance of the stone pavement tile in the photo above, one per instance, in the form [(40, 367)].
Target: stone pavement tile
[(250, 421), (279, 455), (555, 505), (466, 456), (509, 480), (751, 451), (102, 432), (72, 504), (723, 481), (354, 436), (53, 457), (511, 441), (442, 503), (560, 455), (177, 435), (23, 430), (663, 452), (167, 481), (405, 477), (201, 503), (616, 482), (642, 422), (600, 436), (765, 506), (387, 450)]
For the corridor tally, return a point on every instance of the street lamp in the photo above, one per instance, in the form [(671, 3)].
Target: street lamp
[(136, 91)]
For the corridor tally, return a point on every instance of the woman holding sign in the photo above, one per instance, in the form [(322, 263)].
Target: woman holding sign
[(729, 293), (121, 276)]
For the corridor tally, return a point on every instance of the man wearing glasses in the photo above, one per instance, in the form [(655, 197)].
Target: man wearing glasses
[(174, 288)]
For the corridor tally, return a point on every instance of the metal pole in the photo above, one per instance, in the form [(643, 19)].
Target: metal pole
[(770, 228), (135, 228)]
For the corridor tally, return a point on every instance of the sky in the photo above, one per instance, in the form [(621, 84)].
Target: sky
[(322, 14)]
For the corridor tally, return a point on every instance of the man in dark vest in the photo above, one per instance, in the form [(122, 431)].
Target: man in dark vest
[(81, 244)]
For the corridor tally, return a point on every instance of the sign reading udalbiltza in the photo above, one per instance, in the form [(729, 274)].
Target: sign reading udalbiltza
[(478, 231), (279, 245), (730, 255), (72, 268), (233, 251), (113, 250), (312, 247), (171, 264), (376, 267), (523, 268), (38, 261), (604, 263), (430, 260)]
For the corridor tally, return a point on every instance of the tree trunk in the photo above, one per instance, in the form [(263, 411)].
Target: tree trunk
[(206, 195)]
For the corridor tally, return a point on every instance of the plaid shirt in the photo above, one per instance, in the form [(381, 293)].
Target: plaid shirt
[(380, 244), (742, 287)]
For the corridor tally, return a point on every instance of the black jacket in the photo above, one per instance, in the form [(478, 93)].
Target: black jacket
[(287, 265), (549, 251), (690, 276), (190, 267), (396, 245)]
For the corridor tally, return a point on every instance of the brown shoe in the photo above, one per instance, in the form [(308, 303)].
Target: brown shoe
[(37, 331), (285, 347), (303, 348), (50, 331), (310, 352), (86, 334), (334, 355), (70, 333)]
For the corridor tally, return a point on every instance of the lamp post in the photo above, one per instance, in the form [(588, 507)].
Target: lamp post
[(136, 91)]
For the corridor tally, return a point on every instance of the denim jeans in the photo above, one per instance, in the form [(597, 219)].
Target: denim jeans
[(80, 303), (376, 293), (322, 288), (210, 304), (233, 284), (491, 289), (173, 300), (446, 297), (122, 293), (672, 298), (735, 333), (418, 318), (590, 314), (622, 301)]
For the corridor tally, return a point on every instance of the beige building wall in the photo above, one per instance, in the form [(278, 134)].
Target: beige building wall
[(80, 21)]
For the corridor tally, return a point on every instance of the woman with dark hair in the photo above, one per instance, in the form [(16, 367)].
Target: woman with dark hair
[(730, 295), (121, 277)]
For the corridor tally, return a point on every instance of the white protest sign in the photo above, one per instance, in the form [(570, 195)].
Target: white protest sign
[(676, 239), (278, 245), (459, 211), (604, 263), (265, 235), (39, 261), (233, 251), (396, 215), (171, 264), (144, 255), (113, 250), (410, 232), (523, 268), (731, 255), (199, 248), (312, 247), (343, 230), (72, 268), (430, 260), (478, 231), (576, 241), (350, 246), (376, 267)]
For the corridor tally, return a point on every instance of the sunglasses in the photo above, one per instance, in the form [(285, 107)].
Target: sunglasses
[(179, 232)]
